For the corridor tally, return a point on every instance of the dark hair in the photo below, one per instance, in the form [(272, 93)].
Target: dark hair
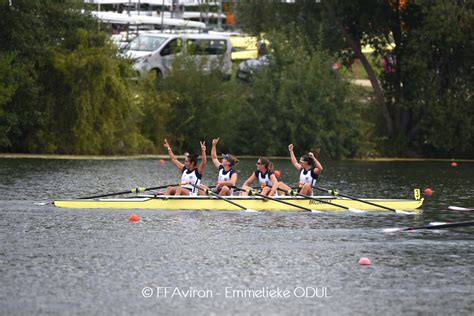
[(193, 158), (267, 163), (308, 159), (231, 159)]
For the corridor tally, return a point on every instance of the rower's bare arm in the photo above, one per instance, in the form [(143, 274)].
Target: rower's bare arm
[(249, 181), (173, 159), (274, 180), (216, 161), (293, 159), (202, 165), (319, 167), (232, 181)]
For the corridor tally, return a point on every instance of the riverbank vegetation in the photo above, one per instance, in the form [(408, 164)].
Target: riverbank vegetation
[(64, 90)]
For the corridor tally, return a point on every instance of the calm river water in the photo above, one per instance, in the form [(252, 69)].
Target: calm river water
[(95, 262)]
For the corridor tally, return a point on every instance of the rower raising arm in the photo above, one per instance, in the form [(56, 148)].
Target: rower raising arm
[(173, 158), (227, 177), (202, 165), (319, 168), (216, 161), (190, 174), (293, 159), (310, 169)]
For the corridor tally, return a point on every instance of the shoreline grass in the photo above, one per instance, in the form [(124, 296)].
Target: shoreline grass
[(152, 157)]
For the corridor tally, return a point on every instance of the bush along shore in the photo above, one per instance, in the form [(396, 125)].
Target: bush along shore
[(64, 90)]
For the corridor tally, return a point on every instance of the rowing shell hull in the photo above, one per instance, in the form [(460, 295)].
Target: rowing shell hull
[(254, 203)]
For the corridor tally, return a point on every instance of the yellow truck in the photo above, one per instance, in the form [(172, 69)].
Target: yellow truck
[(243, 47)]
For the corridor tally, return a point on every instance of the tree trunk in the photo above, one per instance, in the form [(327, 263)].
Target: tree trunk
[(379, 96)]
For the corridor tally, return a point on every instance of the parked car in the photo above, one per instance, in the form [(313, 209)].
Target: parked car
[(248, 68), (155, 51)]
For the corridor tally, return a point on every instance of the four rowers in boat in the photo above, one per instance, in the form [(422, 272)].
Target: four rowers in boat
[(308, 166)]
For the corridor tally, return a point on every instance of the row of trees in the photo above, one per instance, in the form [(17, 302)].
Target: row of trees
[(424, 98), (64, 90), (297, 99)]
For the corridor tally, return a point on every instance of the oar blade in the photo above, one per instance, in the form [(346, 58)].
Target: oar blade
[(392, 230), (432, 226), (355, 210), (43, 203), (249, 210), (437, 223), (404, 212), (458, 208)]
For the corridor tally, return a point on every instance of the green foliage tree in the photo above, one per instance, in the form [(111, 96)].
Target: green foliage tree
[(418, 29), (199, 106), (7, 89), (92, 111), (72, 94), (299, 99), (438, 78)]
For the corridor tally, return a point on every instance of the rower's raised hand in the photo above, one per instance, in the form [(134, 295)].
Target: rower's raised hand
[(166, 145), (175, 161), (290, 147), (311, 155), (215, 141), (202, 165)]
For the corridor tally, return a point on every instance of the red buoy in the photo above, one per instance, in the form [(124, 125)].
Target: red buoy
[(277, 173), (162, 161), (454, 164), (364, 261), (134, 218), (427, 192)]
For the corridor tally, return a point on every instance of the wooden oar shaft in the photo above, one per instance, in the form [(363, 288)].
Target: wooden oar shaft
[(335, 193), (316, 199), (276, 200), (219, 197), (134, 190)]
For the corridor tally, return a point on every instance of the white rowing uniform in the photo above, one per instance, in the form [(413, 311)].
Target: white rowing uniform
[(189, 177), (264, 179), (307, 177), (224, 176)]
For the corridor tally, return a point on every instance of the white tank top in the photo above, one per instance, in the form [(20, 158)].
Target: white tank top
[(264, 179), (188, 177), (224, 176), (307, 177)]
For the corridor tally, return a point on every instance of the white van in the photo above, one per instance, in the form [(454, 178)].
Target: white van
[(154, 51)]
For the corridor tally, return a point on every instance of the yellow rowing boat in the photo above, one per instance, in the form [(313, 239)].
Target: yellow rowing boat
[(202, 203)]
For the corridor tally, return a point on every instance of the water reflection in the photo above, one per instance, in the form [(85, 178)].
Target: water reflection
[(98, 262)]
